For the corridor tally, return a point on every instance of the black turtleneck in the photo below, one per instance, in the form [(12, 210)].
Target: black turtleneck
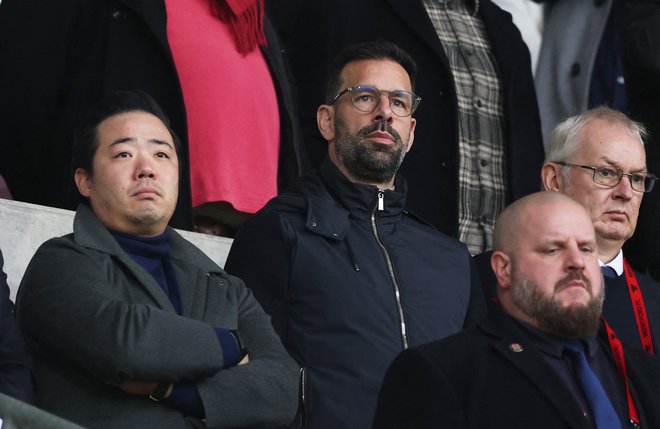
[(152, 254)]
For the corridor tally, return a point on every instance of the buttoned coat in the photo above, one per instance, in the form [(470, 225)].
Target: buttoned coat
[(491, 377), (94, 317), (641, 61), (571, 36)]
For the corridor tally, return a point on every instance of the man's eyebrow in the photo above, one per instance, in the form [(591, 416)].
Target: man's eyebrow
[(161, 142), (121, 140), (615, 164)]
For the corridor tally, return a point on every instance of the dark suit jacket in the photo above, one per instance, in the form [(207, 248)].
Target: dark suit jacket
[(617, 309), (475, 379), (619, 313), (71, 54), (324, 27), (15, 363), (94, 318), (641, 61)]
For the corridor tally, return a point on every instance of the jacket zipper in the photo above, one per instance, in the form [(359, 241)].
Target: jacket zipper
[(390, 267), (302, 400)]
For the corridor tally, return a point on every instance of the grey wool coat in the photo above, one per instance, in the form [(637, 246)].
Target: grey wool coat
[(94, 318)]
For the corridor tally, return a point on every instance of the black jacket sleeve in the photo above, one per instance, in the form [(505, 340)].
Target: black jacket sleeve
[(15, 363)]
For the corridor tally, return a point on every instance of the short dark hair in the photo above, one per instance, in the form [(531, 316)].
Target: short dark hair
[(373, 50), (85, 140)]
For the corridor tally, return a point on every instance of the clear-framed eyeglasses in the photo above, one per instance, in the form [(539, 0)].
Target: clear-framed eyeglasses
[(610, 176), (366, 98)]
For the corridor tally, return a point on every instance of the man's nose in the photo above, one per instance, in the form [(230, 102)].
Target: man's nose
[(624, 189), (144, 167), (383, 110), (575, 258)]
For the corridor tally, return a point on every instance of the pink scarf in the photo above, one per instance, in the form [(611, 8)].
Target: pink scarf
[(245, 19)]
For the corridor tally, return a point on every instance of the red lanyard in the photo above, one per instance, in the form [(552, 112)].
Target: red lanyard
[(638, 308), (619, 359)]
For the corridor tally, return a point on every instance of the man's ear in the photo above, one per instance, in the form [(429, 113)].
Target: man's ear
[(500, 262), (83, 182), (325, 119), (552, 177)]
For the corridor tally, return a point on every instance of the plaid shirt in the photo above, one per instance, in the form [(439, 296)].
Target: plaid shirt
[(481, 178)]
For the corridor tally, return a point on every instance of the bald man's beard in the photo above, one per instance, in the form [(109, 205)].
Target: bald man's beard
[(571, 321), (366, 160)]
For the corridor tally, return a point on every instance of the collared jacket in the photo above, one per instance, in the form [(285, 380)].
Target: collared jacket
[(59, 57), (93, 318), (492, 376), (350, 285), (324, 27)]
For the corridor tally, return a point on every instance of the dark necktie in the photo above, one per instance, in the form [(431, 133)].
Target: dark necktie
[(608, 272), (604, 415)]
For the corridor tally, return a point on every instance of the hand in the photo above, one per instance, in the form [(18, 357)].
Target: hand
[(246, 359)]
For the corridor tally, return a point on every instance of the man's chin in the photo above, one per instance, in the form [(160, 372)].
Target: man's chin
[(146, 218), (615, 231)]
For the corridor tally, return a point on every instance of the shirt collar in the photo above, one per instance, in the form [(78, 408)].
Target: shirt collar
[(616, 264), (553, 345)]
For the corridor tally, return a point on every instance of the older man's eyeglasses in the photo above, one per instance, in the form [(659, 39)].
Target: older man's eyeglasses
[(610, 177), (366, 98)]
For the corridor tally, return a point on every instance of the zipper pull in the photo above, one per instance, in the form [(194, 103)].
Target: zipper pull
[(381, 200)]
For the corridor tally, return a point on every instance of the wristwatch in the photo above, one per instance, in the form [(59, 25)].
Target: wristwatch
[(160, 391)]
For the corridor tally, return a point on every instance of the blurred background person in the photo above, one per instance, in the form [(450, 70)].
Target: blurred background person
[(214, 65)]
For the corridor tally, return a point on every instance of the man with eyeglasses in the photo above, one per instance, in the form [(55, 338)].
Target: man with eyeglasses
[(597, 158), (349, 277)]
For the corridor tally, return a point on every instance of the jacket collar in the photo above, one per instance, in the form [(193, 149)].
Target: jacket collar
[(89, 232), (334, 202)]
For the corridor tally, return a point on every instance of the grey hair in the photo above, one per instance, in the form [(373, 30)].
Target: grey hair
[(564, 141)]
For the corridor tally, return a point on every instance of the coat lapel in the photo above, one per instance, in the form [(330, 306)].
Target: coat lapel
[(147, 282), (89, 232), (414, 15), (194, 279), (194, 285), (531, 363)]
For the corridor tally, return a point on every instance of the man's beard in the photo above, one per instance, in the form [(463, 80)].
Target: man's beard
[(572, 321), (366, 160)]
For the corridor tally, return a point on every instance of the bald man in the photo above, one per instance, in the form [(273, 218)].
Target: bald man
[(514, 369)]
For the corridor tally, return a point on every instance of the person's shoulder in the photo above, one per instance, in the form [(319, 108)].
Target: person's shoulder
[(188, 253), (63, 243), (644, 279), (467, 340), (307, 187), (426, 231), (650, 287), (460, 350), (307, 195)]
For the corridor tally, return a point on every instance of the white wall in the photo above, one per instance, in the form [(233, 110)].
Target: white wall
[(23, 227)]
